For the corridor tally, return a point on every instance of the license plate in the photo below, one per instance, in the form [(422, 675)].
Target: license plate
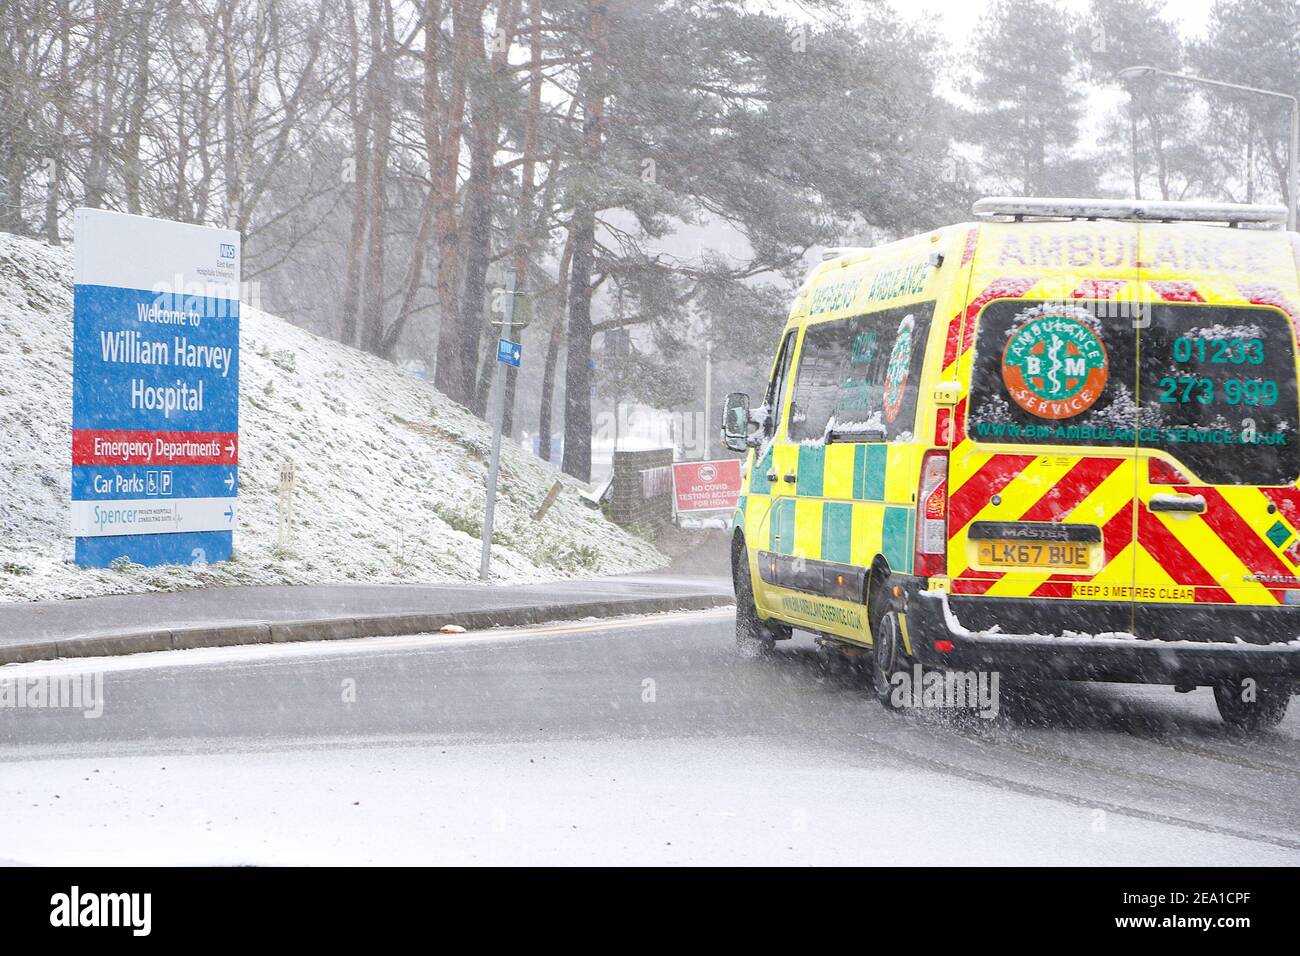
[(1071, 556)]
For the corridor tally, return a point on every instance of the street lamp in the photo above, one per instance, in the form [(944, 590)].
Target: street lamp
[(1293, 179)]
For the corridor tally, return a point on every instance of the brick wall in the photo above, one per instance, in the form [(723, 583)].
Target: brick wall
[(641, 493)]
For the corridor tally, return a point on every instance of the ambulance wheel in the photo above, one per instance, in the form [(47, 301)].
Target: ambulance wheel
[(1263, 713), (754, 639), (888, 657)]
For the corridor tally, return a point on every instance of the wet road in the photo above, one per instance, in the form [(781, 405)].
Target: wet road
[(633, 741)]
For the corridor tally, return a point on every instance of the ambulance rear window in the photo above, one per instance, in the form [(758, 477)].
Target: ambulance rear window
[(1218, 392), (1215, 386), (1053, 374)]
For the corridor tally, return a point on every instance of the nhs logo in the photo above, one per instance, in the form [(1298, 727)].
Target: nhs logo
[(227, 250)]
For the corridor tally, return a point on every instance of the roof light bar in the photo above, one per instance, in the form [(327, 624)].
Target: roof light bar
[(839, 252), (1130, 209)]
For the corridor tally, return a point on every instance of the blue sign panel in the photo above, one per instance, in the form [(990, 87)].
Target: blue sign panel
[(155, 397), (511, 353)]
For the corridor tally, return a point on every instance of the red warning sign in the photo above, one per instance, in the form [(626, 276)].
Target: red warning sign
[(706, 485)]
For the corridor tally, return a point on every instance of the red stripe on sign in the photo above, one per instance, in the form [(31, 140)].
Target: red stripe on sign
[(968, 250), (1098, 288), (964, 585), (1169, 552), (1075, 485), (950, 344), (991, 477), (1213, 596), (1270, 295), (942, 426), (1287, 501), (1004, 288), (1234, 531), (1053, 589), (1117, 533), (154, 448), (1177, 291)]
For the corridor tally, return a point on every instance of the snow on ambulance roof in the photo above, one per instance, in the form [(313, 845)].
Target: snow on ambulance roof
[(1127, 209)]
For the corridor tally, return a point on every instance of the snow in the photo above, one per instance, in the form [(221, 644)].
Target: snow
[(1220, 331), (389, 472), (995, 634), (577, 802), (425, 800)]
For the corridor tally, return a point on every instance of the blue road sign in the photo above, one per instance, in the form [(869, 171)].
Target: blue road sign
[(155, 390), (511, 353)]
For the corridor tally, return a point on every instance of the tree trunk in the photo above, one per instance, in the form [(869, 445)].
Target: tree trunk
[(450, 373), (478, 206), (544, 426), (478, 246), (131, 159), (360, 178), (372, 315), (231, 145), (524, 219), (60, 142), (577, 372)]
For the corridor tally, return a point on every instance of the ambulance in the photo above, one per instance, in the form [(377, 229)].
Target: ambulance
[(1060, 441)]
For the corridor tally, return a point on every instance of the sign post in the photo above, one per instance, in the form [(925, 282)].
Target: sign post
[(508, 353), (155, 390), (288, 479)]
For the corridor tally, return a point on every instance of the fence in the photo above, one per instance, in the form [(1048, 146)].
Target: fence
[(641, 493)]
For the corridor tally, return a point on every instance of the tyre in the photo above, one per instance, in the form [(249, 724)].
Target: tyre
[(754, 639), (1265, 711), (888, 657)]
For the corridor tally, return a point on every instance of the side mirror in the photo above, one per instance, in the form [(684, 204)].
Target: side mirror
[(736, 422)]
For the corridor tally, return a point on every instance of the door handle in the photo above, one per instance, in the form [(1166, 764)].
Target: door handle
[(1184, 504), (790, 478)]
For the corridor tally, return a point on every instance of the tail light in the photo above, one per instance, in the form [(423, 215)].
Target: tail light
[(932, 515), (1160, 472)]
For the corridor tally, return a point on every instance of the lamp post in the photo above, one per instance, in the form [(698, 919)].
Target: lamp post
[(1293, 178)]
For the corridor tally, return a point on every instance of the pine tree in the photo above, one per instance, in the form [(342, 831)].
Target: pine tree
[(1027, 102), (1254, 43)]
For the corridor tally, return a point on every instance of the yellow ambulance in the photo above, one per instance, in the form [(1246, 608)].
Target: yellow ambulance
[(1059, 441)]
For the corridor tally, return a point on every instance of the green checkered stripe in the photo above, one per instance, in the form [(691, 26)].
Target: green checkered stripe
[(869, 467)]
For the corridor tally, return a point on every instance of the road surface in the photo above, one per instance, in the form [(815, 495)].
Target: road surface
[(640, 740)]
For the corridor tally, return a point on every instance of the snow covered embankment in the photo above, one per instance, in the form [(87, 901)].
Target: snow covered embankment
[(390, 473)]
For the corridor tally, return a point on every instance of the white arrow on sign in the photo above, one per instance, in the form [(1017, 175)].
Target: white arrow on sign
[(230, 482), (230, 449)]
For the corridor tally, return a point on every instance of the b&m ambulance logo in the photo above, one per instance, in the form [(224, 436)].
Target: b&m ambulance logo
[(900, 365), (1055, 366)]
